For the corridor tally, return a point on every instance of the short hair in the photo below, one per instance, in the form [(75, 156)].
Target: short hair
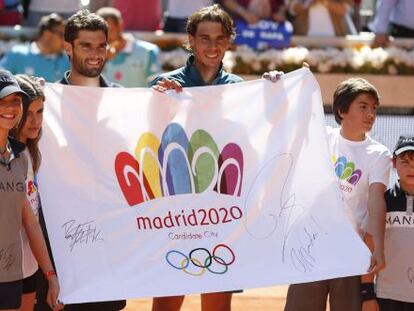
[(84, 20), (50, 22), (409, 154), (213, 13), (110, 13), (347, 91)]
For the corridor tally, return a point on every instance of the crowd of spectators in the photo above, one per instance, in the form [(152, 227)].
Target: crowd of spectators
[(133, 62), (309, 17)]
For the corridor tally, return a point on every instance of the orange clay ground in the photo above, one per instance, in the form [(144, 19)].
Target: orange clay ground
[(261, 299)]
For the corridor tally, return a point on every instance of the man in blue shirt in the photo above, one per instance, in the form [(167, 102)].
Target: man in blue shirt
[(394, 17), (43, 57), (131, 62), (210, 33)]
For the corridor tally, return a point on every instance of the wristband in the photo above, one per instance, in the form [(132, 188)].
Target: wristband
[(367, 292), (49, 274)]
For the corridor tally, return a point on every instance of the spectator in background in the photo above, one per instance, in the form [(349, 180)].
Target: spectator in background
[(131, 62), (10, 12), (141, 15), (177, 12), (394, 17), (95, 5), (43, 57), (251, 11), (327, 18), (356, 15), (38, 8)]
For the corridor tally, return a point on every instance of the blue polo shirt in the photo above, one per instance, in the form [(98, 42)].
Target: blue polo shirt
[(189, 76), (135, 64), (27, 59)]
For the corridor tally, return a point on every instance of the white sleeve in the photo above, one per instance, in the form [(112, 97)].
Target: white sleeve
[(380, 171)]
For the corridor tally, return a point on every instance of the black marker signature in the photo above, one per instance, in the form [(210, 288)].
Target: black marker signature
[(298, 227), (7, 259), (300, 234), (410, 275), (82, 233)]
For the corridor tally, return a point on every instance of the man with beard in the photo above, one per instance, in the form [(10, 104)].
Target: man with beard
[(86, 44), (86, 41)]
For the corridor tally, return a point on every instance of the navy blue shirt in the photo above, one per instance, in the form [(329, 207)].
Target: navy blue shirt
[(102, 81), (189, 76)]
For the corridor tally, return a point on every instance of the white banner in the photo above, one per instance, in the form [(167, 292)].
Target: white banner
[(217, 188)]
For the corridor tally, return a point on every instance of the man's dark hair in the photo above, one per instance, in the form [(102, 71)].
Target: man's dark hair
[(347, 91), (213, 13), (84, 20), (50, 22), (110, 13)]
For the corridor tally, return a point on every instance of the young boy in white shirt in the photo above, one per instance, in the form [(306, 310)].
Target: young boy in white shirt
[(362, 166)]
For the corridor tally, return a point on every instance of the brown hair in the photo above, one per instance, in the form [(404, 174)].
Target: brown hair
[(409, 154), (347, 91), (32, 86), (84, 20), (213, 13)]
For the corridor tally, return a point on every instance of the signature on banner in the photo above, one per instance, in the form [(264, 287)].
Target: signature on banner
[(299, 229), (81, 233)]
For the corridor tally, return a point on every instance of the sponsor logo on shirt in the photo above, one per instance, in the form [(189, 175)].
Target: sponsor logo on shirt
[(348, 175)]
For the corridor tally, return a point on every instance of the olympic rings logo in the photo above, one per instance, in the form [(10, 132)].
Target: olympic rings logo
[(200, 264)]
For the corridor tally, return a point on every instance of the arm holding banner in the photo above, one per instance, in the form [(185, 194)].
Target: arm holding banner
[(167, 84), (376, 224), (170, 84), (38, 246)]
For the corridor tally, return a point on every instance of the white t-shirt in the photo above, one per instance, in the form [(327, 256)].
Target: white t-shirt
[(320, 23), (358, 164), (30, 265)]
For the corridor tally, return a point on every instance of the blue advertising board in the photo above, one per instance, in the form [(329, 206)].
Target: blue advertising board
[(263, 35)]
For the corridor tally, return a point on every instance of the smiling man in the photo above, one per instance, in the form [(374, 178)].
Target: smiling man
[(210, 32), (86, 42)]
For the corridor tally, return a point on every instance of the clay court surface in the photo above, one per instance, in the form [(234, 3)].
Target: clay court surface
[(261, 299)]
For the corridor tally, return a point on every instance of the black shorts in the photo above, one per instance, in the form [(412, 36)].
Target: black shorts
[(11, 295), (29, 283)]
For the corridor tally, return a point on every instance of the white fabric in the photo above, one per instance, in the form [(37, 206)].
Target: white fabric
[(184, 8), (370, 158), (30, 265), (320, 23), (61, 6), (286, 226)]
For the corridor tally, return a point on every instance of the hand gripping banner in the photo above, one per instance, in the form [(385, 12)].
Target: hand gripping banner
[(213, 189)]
